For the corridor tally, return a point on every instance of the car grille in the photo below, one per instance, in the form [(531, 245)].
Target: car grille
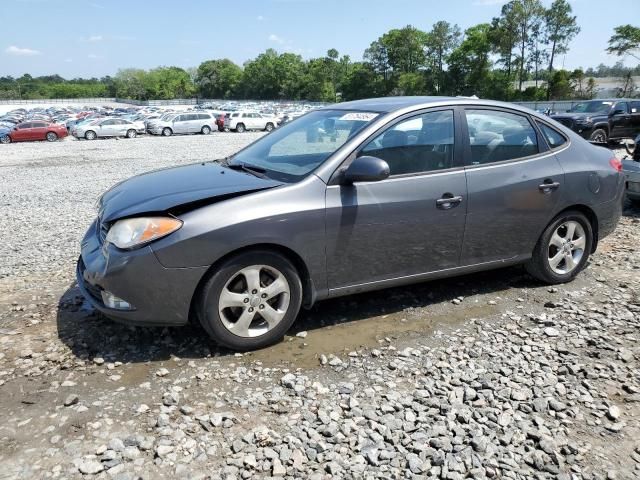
[(567, 122), (102, 228), (93, 290)]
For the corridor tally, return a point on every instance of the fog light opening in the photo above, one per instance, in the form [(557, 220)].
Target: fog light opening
[(111, 301)]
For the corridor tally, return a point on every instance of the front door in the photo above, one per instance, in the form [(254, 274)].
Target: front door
[(412, 222), (21, 133), (620, 121), (514, 183)]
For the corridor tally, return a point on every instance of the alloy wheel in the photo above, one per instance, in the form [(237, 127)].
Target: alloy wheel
[(566, 247), (52, 137), (5, 139), (254, 300)]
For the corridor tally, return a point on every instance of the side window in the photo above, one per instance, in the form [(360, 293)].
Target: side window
[(39, 125), (179, 118), (418, 144), (496, 136), (106, 123), (621, 107), (24, 126), (554, 138), (635, 107)]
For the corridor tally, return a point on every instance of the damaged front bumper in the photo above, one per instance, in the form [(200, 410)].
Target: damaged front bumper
[(132, 286)]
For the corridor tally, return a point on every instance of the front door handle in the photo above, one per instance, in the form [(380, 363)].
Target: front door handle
[(549, 186), (448, 201)]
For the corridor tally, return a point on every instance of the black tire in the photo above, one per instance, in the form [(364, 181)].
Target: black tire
[(132, 133), (599, 135), (5, 139), (167, 132), (207, 302), (269, 127), (240, 128), (51, 137), (538, 266), (90, 135), (206, 130)]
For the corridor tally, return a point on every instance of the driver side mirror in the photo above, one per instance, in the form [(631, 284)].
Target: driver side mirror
[(366, 169)]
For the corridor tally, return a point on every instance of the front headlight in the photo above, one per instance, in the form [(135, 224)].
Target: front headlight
[(134, 232)]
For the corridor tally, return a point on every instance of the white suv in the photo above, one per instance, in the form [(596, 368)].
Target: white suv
[(242, 121), (184, 123)]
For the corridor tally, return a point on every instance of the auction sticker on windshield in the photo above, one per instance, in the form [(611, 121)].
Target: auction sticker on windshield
[(358, 116)]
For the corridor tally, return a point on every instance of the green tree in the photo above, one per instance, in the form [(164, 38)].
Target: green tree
[(625, 41), (561, 28), (405, 49), (560, 85), (470, 64), (441, 40), (218, 78), (410, 83)]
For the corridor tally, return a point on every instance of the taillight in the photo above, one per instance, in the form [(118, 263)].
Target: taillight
[(616, 164)]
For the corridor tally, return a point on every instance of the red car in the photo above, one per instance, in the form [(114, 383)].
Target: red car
[(35, 130)]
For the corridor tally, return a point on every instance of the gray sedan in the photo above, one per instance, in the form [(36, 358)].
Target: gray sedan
[(358, 196), (109, 127)]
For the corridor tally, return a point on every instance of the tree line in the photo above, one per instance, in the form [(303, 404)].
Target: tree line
[(490, 60)]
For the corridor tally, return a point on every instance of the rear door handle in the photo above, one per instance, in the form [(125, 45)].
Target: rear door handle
[(448, 201), (549, 186)]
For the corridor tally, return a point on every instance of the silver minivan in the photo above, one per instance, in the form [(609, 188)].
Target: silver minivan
[(187, 122)]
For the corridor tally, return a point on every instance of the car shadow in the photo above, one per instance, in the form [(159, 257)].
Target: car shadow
[(90, 334)]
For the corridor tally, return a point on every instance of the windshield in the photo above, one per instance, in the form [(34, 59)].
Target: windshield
[(592, 107), (294, 150)]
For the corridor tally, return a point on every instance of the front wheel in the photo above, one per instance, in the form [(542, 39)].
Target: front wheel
[(166, 132), (131, 133), (251, 300), (269, 127), (206, 130), (5, 139), (563, 249), (599, 135), (90, 135), (240, 128), (51, 137)]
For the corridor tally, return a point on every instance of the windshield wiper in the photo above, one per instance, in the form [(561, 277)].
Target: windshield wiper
[(251, 169)]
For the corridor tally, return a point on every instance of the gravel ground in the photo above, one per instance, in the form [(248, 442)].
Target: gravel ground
[(489, 375)]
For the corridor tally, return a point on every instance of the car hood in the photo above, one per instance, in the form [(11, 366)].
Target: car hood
[(169, 188), (578, 115)]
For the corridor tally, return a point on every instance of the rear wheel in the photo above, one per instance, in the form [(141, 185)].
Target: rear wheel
[(206, 130), (52, 137), (563, 249), (599, 135), (5, 139), (251, 300), (167, 132), (240, 128), (131, 133), (90, 135), (269, 127)]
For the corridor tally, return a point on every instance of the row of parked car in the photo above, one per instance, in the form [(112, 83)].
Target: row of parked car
[(90, 123)]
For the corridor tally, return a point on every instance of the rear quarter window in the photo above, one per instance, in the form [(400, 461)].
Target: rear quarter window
[(553, 137)]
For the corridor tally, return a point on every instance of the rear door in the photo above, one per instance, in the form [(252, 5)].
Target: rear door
[(635, 118), (514, 184), (38, 131), (178, 123), (620, 121)]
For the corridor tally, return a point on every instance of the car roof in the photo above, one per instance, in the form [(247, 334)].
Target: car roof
[(393, 104)]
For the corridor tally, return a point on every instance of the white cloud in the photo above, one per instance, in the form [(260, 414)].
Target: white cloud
[(276, 39), (93, 56), (260, 18), (95, 38), (22, 52), (68, 60)]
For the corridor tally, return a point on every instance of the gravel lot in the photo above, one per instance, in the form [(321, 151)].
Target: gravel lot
[(484, 376)]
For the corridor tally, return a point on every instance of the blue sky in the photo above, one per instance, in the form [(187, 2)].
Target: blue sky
[(97, 37)]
